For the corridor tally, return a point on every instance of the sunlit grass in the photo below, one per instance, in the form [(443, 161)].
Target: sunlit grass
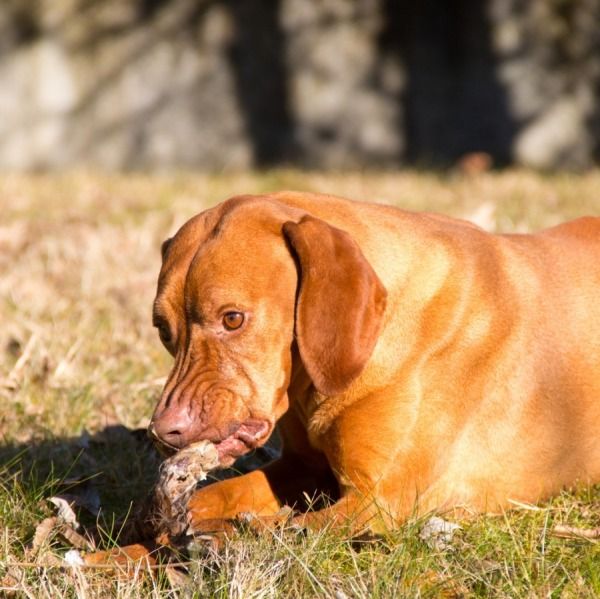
[(79, 362)]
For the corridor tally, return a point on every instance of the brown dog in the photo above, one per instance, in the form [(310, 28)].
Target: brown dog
[(412, 361)]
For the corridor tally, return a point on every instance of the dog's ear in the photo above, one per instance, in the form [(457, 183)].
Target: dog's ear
[(340, 303), (164, 248)]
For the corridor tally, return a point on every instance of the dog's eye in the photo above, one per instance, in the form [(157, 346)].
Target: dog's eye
[(164, 333), (233, 320)]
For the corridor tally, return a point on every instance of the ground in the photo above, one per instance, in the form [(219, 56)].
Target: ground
[(81, 369)]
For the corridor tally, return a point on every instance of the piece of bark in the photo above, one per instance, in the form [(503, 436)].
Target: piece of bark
[(177, 480)]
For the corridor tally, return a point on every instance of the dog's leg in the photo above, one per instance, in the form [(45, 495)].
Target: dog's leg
[(351, 516), (122, 558), (288, 481), (222, 500), (354, 514)]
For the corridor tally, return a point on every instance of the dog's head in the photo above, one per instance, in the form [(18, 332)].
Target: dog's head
[(240, 286)]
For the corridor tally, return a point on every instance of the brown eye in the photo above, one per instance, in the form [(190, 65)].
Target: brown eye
[(233, 320), (164, 333)]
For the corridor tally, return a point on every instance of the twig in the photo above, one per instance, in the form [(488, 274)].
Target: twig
[(525, 506), (572, 532)]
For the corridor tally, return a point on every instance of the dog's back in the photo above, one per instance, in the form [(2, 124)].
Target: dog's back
[(532, 393), (491, 348)]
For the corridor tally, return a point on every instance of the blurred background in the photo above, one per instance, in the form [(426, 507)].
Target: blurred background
[(235, 84)]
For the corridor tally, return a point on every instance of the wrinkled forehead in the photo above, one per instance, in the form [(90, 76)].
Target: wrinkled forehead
[(238, 249), (243, 260)]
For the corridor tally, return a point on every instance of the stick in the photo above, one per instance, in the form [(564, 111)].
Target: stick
[(572, 532)]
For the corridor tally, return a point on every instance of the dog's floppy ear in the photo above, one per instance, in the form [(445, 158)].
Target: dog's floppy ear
[(340, 303)]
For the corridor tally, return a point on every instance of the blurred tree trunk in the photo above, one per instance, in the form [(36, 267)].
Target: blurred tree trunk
[(330, 83)]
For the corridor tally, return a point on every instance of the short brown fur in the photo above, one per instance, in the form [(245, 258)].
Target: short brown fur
[(413, 361)]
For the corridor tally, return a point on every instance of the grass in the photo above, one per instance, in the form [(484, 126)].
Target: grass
[(81, 368)]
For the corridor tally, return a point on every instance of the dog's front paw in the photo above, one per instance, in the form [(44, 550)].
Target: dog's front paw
[(211, 535), (283, 519)]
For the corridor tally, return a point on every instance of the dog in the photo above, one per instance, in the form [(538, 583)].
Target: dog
[(411, 361)]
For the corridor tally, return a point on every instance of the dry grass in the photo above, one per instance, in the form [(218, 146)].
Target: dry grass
[(79, 254)]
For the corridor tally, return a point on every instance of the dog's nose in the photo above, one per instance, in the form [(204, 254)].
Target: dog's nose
[(172, 428)]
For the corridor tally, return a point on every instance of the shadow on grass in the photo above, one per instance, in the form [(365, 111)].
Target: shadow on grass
[(109, 473)]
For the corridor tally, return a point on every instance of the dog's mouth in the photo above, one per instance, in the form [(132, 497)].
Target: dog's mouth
[(248, 436)]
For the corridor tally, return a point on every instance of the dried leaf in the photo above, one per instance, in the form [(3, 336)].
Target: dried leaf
[(56, 526), (65, 509), (77, 540), (43, 531)]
